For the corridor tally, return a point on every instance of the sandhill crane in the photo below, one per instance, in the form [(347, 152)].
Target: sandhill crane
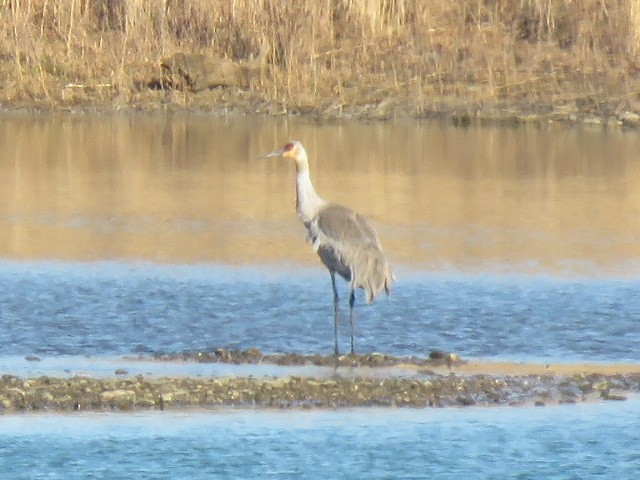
[(345, 241)]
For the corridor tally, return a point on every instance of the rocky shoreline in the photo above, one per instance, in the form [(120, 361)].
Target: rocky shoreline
[(438, 381), (254, 356)]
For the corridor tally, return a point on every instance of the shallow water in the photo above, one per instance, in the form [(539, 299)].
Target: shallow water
[(566, 442), (133, 235), (68, 366), (140, 234), (115, 309)]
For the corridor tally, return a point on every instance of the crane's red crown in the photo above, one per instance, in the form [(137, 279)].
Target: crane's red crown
[(290, 150)]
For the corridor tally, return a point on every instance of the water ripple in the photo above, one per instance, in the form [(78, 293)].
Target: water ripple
[(111, 308), (585, 441)]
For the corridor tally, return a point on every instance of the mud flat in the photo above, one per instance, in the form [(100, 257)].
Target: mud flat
[(441, 380)]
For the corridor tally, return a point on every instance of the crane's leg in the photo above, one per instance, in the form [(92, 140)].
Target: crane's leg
[(335, 311), (352, 300)]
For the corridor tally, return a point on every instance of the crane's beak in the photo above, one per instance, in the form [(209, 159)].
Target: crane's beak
[(276, 153)]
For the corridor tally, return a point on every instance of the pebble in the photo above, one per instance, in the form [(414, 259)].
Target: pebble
[(438, 390), (629, 119)]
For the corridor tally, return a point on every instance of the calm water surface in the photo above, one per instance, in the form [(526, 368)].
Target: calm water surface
[(178, 189)]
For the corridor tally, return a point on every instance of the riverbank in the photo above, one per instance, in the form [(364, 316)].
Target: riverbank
[(463, 61), (442, 380)]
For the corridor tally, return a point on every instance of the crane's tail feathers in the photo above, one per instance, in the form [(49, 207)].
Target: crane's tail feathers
[(371, 272)]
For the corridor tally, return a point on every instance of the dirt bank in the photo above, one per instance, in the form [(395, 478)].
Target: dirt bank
[(461, 111)]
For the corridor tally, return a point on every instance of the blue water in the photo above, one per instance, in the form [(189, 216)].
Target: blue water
[(115, 309), (566, 442), (86, 316)]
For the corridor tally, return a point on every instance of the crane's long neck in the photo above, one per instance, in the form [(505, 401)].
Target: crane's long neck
[(308, 203)]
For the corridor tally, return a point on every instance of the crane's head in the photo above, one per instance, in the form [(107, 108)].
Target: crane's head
[(293, 150)]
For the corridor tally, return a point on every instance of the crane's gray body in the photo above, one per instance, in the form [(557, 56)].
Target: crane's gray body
[(348, 245), (344, 240)]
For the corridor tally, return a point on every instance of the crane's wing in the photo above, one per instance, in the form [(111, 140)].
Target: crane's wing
[(346, 227), (348, 244)]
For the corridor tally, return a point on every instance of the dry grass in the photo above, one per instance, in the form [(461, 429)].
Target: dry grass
[(517, 54)]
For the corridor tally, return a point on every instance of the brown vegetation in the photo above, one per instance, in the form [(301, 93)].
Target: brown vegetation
[(418, 57)]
